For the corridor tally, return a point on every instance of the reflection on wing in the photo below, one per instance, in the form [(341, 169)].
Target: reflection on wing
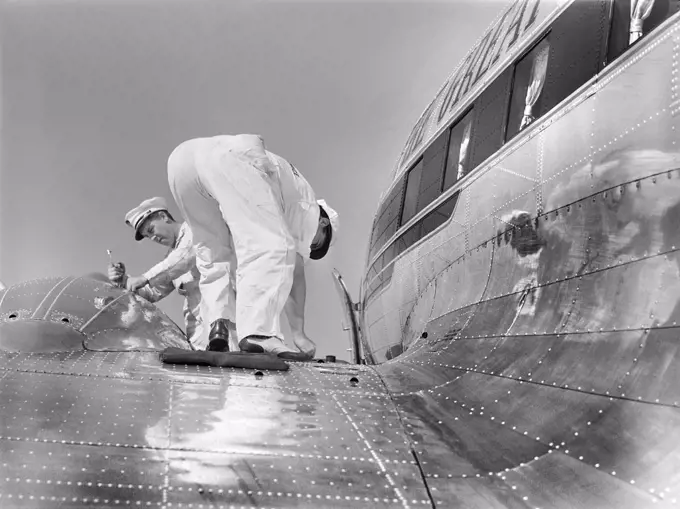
[(59, 314), (112, 426)]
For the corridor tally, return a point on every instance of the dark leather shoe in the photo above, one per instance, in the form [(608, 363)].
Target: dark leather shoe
[(218, 341), (247, 346)]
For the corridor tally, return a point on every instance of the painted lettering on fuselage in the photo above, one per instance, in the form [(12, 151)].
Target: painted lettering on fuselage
[(495, 44)]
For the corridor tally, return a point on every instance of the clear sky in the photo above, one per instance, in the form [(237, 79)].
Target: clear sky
[(97, 93)]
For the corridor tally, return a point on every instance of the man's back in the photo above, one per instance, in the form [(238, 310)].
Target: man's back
[(299, 203), (297, 196)]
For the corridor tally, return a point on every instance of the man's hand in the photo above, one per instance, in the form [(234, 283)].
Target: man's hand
[(116, 273), (134, 283)]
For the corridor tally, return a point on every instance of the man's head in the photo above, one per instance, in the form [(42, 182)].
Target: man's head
[(328, 227), (152, 220)]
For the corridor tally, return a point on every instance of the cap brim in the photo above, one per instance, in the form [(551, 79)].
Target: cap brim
[(142, 220)]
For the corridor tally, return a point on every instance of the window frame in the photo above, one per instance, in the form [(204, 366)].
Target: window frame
[(468, 111), (506, 127), (609, 30), (406, 177)]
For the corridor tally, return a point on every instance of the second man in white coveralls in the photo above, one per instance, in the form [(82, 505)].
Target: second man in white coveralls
[(152, 220), (255, 219)]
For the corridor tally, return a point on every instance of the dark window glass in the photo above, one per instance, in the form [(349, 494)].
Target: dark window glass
[(490, 115), (662, 10), (459, 145), (434, 159), (618, 35), (392, 217), (413, 234), (527, 88), (386, 222), (577, 45), (411, 195), (445, 210), (426, 225)]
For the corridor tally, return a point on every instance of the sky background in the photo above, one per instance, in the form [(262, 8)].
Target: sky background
[(97, 93)]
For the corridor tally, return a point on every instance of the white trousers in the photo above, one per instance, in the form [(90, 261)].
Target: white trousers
[(234, 208), (196, 335)]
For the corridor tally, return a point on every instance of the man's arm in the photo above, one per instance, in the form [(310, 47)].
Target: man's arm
[(178, 262), (152, 293), (156, 291)]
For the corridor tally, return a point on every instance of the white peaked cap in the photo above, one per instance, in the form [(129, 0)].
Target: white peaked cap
[(135, 217), (332, 216)]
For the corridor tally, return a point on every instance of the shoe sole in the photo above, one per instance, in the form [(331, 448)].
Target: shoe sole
[(218, 345), (247, 346), (295, 356)]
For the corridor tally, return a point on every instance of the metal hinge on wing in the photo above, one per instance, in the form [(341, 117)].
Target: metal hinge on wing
[(351, 318)]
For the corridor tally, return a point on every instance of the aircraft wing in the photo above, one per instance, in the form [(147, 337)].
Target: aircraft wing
[(91, 417), (120, 429)]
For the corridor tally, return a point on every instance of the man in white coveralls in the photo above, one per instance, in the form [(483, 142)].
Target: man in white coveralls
[(255, 219), (152, 220)]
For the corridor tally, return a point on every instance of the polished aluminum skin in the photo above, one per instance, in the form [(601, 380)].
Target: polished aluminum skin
[(540, 340), (539, 325), (91, 417)]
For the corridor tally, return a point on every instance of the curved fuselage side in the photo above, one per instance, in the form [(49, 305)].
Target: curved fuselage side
[(617, 130), (537, 328)]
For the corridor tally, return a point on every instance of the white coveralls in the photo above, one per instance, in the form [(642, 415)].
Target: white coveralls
[(178, 271), (250, 212)]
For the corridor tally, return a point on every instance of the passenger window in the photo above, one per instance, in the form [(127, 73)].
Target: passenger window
[(490, 117), (434, 159), (577, 49), (387, 219), (411, 195), (528, 81), (459, 144), (631, 22), (660, 11)]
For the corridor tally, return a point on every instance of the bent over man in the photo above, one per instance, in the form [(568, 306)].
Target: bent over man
[(255, 219), (152, 220)]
